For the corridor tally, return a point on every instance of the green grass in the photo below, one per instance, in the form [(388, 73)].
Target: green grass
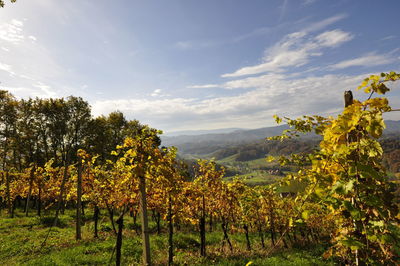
[(256, 177), (252, 174), (21, 239)]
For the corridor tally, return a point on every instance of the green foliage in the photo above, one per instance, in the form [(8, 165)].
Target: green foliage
[(347, 178)]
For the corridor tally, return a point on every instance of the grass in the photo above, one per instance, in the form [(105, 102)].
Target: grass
[(252, 172), (21, 239), (255, 178)]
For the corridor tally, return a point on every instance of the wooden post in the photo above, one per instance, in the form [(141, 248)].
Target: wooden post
[(120, 222), (79, 202), (348, 100), (170, 233), (144, 220)]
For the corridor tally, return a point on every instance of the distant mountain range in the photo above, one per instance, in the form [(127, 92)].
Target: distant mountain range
[(202, 132), (225, 136), (205, 142)]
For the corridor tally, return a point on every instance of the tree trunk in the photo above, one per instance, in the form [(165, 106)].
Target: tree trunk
[(9, 204), (290, 238), (246, 230), (170, 233), (135, 222), (78, 235), (294, 236), (83, 208), (18, 201), (63, 207), (60, 197), (30, 191), (211, 223), (202, 226), (39, 206), (260, 233), (144, 220), (224, 226), (158, 220), (96, 220), (120, 223), (14, 205), (272, 223), (283, 239), (111, 215)]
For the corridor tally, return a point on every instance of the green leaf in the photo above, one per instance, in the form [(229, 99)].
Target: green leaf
[(352, 243), (372, 238), (377, 223), (305, 214), (349, 186), (368, 171)]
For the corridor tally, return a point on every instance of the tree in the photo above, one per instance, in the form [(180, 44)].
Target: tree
[(166, 192), (8, 136), (141, 152)]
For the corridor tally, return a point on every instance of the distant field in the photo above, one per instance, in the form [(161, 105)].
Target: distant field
[(252, 172)]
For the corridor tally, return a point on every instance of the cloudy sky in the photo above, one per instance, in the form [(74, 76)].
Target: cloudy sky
[(187, 64)]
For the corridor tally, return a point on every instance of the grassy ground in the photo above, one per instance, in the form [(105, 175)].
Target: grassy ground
[(256, 178), (22, 237), (251, 171)]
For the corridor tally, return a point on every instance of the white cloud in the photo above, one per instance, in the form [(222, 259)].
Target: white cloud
[(11, 31), (390, 37), (254, 82), (7, 68), (38, 90), (143, 106), (324, 23), (30, 66), (294, 50), (333, 38), (371, 59), (156, 93), (272, 94), (47, 91), (308, 2), (17, 22), (206, 86)]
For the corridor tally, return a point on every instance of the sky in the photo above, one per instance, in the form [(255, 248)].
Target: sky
[(190, 65)]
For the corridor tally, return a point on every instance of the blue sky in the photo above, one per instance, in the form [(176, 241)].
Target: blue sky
[(181, 65)]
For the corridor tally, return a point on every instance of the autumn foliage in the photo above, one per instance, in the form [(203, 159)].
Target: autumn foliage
[(340, 193)]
